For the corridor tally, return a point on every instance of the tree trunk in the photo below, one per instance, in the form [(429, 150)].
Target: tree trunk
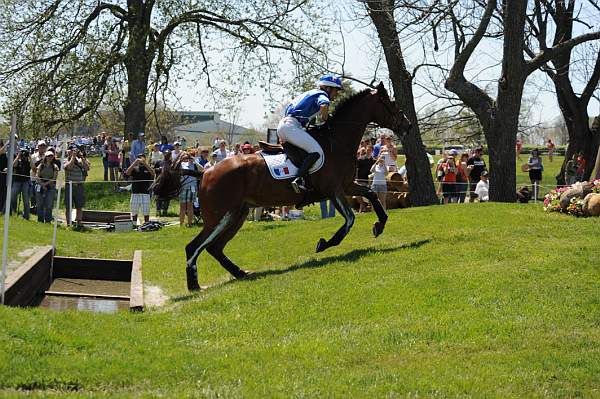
[(581, 139), (499, 118), (135, 105), (596, 134), (138, 61), (501, 139), (421, 187), (573, 106)]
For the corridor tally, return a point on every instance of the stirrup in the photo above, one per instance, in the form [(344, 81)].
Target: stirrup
[(298, 185)]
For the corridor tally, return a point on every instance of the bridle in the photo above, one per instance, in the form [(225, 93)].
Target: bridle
[(393, 112)]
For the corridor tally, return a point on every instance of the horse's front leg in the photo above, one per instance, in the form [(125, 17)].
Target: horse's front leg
[(344, 208), (356, 189)]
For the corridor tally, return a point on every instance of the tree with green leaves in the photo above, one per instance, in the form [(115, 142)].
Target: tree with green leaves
[(62, 60)]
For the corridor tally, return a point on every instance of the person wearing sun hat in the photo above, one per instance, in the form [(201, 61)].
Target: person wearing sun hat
[(36, 157), (45, 189), (247, 149), (202, 157)]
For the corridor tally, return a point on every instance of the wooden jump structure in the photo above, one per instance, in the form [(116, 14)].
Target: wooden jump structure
[(43, 276)]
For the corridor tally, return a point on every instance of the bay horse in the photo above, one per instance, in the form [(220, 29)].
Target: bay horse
[(237, 183)]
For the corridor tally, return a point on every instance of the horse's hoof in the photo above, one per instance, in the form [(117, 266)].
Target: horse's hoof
[(193, 286), (192, 279), (244, 274), (321, 245), (378, 228)]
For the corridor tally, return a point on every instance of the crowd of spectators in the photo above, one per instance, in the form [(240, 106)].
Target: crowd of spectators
[(35, 171), (135, 162), (129, 161), (457, 176)]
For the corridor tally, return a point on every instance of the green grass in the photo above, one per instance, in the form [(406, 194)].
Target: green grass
[(482, 300)]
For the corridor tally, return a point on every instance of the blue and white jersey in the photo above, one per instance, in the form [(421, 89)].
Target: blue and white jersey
[(307, 105)]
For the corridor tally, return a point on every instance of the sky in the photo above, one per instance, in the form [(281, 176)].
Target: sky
[(360, 60)]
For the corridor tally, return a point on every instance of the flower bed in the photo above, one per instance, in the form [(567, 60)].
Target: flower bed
[(552, 200)]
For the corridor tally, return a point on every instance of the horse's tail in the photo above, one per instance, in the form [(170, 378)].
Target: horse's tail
[(168, 184)]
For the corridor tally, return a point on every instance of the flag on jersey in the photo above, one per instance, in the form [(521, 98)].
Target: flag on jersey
[(282, 172)]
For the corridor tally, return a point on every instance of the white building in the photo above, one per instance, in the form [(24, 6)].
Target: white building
[(202, 123)]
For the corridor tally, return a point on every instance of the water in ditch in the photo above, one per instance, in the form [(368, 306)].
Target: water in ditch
[(97, 305), (86, 301)]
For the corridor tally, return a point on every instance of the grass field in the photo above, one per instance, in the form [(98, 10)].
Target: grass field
[(477, 300)]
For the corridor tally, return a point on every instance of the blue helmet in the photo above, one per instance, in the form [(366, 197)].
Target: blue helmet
[(330, 81)]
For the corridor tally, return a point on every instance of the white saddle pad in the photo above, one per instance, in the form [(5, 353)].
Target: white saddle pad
[(281, 167)]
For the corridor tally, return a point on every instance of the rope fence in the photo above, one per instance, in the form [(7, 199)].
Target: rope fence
[(124, 186)]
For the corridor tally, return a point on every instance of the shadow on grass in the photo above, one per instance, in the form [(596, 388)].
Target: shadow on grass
[(351, 256)]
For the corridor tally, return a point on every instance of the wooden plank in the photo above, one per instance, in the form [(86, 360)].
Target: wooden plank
[(30, 278), (92, 268), (96, 216), (86, 295), (136, 302)]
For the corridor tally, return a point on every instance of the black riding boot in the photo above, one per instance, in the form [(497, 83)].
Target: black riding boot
[(298, 184)]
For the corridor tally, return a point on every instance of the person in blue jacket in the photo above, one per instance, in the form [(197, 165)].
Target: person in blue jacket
[(297, 114)]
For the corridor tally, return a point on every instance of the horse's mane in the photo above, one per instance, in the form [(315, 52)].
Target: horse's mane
[(347, 101)]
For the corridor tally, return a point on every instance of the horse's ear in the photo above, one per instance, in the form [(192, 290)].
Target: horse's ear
[(380, 87)]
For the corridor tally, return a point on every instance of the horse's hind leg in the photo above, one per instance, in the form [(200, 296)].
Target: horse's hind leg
[(364, 191), (342, 207), (208, 234), (217, 246)]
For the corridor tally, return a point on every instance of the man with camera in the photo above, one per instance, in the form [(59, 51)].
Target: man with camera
[(76, 169), (142, 175), (21, 182), (36, 158)]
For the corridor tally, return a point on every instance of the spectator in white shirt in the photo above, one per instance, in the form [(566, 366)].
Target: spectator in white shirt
[(379, 184), (176, 152), (221, 152), (156, 156), (483, 187)]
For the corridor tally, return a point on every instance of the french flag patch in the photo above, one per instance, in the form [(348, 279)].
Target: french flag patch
[(285, 171)]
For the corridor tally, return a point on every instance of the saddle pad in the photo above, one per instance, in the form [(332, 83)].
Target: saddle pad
[(281, 167)]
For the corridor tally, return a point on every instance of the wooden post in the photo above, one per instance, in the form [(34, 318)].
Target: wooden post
[(136, 301), (11, 156)]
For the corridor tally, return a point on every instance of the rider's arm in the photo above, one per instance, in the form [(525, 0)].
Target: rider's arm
[(324, 112)]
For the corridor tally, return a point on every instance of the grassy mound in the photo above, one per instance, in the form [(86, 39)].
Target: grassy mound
[(489, 300)]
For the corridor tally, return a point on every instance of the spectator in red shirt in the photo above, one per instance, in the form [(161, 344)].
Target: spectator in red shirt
[(112, 154), (518, 148), (580, 166), (449, 180), (550, 146), (462, 178)]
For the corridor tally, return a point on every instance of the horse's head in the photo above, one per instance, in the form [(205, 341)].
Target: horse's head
[(388, 115)]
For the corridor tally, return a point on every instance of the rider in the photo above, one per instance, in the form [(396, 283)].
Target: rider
[(298, 113)]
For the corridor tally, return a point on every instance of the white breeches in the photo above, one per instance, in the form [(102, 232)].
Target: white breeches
[(289, 129)]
